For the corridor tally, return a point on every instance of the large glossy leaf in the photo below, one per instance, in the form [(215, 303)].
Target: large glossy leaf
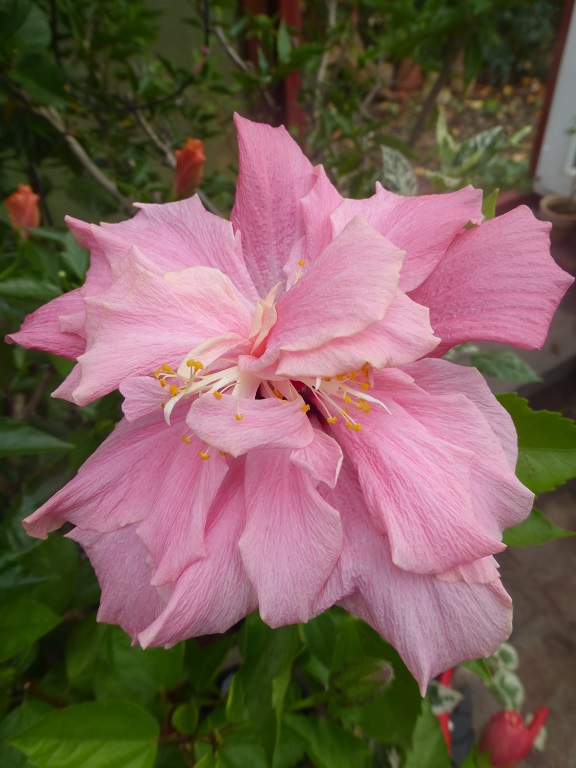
[(428, 748), (22, 622), (546, 444), (111, 734), (536, 529), (19, 439)]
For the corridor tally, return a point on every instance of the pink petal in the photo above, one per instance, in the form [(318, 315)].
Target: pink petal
[(143, 395), (348, 288), (120, 561), (99, 275), (499, 498), (432, 624), (316, 208), (274, 176), (439, 377), (121, 482), (267, 423), (179, 235), (145, 320), (213, 593), (402, 336), (418, 487), (483, 571), (174, 531), (292, 537), (322, 458), (42, 329), (423, 226), (497, 282)]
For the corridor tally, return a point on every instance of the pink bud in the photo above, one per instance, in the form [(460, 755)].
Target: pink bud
[(508, 739), (23, 209), (189, 162)]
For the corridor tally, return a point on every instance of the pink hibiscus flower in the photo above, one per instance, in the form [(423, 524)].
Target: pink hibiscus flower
[(291, 438)]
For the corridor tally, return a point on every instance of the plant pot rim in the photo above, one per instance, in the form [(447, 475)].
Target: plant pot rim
[(548, 205)]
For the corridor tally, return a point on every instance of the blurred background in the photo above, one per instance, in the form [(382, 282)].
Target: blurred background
[(107, 102)]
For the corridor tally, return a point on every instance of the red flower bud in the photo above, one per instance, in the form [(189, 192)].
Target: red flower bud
[(189, 162), (508, 739), (23, 209)]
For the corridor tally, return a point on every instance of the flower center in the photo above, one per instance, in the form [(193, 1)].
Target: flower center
[(213, 369)]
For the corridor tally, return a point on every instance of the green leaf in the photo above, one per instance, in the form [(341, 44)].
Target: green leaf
[(503, 364), (29, 288), (185, 717), (84, 646), (480, 668), (398, 174), (19, 439), (390, 718), (477, 759), (74, 256), (56, 559), (546, 445), (283, 43), (204, 664), (22, 622), (489, 205), (132, 672), (260, 684), (429, 748), (536, 529), (111, 734), (330, 745), (19, 718)]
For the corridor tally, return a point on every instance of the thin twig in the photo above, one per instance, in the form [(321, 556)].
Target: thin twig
[(53, 118), (323, 68), (231, 52), (165, 149), (245, 66)]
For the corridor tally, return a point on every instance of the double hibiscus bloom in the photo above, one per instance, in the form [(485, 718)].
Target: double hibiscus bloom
[(291, 438)]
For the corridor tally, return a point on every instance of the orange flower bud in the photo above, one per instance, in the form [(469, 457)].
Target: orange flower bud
[(23, 209), (189, 162)]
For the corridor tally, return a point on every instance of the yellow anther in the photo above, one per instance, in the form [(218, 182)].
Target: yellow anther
[(173, 390), (347, 399), (239, 416), (332, 420), (346, 410), (365, 385), (204, 455), (162, 382), (196, 364), (157, 373), (301, 262), (163, 405), (186, 439), (217, 395), (341, 376), (305, 408), (348, 425), (167, 368), (328, 378), (357, 427), (222, 453), (352, 375)]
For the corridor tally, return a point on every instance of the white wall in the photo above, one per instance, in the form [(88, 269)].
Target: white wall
[(556, 168)]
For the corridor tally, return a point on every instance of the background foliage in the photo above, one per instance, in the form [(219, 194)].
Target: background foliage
[(92, 114)]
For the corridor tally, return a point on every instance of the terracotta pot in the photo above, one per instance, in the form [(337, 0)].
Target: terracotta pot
[(560, 210)]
